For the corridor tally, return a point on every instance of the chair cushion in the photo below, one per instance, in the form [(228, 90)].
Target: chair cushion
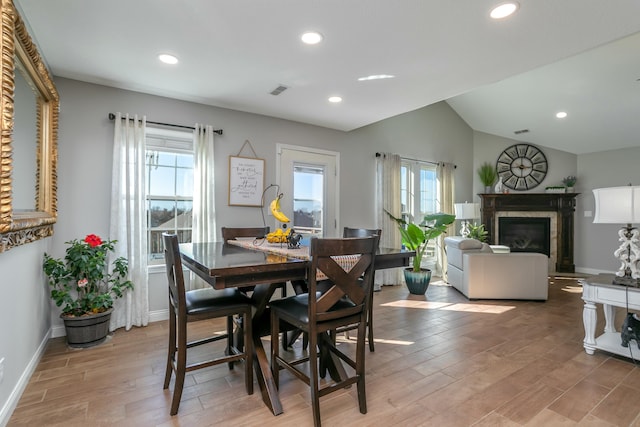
[(298, 306), (209, 299)]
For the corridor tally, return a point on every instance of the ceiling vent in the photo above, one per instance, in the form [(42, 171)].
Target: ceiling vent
[(278, 90), (518, 132)]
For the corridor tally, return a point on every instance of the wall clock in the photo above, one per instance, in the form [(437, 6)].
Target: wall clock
[(522, 167)]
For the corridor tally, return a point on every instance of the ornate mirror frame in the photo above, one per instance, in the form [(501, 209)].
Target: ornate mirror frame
[(18, 227)]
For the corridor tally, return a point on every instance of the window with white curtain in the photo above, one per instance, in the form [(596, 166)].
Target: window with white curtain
[(418, 194), (169, 193)]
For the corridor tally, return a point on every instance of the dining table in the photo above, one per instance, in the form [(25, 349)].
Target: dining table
[(254, 262)]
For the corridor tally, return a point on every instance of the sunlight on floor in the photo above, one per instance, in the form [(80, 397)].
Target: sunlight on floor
[(376, 340), (573, 288), (471, 308), (480, 308)]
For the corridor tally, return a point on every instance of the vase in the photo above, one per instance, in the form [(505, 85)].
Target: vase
[(417, 281), (87, 331), (499, 186)]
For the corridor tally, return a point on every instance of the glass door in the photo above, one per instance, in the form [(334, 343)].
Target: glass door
[(308, 180)]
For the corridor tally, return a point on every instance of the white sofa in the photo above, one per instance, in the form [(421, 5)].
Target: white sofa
[(478, 273)]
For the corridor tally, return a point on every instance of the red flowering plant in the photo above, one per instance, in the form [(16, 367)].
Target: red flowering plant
[(81, 282)]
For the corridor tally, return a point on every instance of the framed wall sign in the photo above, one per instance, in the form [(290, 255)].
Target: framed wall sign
[(246, 181)]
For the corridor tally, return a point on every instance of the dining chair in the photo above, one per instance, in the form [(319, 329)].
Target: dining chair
[(362, 232), (259, 293), (201, 304), (344, 303), (347, 232), (232, 233)]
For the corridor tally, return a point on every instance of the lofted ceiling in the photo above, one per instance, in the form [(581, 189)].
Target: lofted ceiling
[(581, 56)]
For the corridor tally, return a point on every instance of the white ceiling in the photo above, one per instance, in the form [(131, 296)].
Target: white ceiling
[(233, 53)]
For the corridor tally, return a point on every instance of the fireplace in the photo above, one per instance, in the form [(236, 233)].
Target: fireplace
[(558, 208), (525, 234)]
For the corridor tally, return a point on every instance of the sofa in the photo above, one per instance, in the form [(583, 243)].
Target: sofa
[(478, 273)]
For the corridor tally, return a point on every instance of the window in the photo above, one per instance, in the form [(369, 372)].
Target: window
[(418, 194), (169, 192), (308, 196)]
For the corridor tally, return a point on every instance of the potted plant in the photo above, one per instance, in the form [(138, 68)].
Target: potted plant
[(83, 286), (416, 237), (477, 231), (488, 175), (569, 182)]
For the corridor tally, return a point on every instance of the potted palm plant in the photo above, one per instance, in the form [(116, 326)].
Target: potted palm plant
[(416, 237), (83, 286)]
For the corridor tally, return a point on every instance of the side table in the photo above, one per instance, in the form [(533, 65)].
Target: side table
[(599, 290)]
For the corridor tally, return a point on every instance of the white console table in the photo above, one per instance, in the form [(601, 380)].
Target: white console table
[(599, 290)]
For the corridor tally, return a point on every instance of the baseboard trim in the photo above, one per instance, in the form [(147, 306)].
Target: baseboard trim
[(592, 271), (16, 394)]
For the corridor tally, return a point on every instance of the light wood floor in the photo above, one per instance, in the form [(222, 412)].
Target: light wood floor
[(441, 361)]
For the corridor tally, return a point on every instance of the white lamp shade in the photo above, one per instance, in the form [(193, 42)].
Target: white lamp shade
[(617, 205), (467, 210)]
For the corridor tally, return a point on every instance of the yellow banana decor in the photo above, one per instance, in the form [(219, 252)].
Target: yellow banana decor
[(278, 236), (275, 209)]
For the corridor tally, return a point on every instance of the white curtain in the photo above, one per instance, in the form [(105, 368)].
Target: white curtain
[(388, 198), (204, 205), (128, 223), (446, 190)]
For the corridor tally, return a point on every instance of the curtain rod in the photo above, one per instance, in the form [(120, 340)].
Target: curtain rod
[(417, 160), (218, 131)]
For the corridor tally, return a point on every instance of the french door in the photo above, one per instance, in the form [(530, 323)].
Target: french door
[(309, 181)]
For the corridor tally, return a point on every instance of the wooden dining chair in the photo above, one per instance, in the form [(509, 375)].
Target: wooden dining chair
[(258, 233), (201, 304), (362, 232), (347, 232), (344, 303)]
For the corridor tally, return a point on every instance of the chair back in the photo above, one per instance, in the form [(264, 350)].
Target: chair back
[(348, 264), (232, 233), (175, 277), (361, 232)]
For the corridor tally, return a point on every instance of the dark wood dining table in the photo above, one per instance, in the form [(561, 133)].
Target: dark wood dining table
[(223, 265)]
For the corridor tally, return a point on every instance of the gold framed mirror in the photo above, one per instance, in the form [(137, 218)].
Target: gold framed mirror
[(27, 214)]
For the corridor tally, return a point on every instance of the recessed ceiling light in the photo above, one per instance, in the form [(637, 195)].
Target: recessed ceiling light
[(335, 99), (311, 37), (504, 10), (561, 114), (168, 59), (376, 77)]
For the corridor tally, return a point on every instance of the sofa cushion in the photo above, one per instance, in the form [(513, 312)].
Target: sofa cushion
[(456, 246), (463, 243), (486, 248)]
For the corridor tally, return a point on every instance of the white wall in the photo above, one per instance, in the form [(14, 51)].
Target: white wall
[(595, 243), (487, 148), (433, 133), (24, 316)]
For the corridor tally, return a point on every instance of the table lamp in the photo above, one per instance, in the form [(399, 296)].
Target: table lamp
[(464, 212), (621, 205)]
